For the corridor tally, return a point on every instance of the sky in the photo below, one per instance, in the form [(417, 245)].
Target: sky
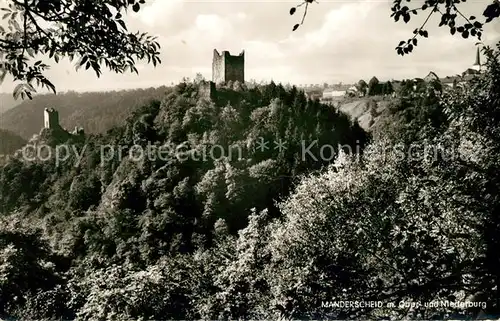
[(340, 41)]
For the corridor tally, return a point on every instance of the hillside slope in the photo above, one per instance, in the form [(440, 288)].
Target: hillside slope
[(366, 111), (96, 112), (10, 142), (7, 102)]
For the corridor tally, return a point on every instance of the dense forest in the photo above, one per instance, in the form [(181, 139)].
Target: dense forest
[(410, 213), (95, 112)]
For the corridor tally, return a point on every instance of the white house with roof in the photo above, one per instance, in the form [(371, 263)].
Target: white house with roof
[(330, 93), (335, 92)]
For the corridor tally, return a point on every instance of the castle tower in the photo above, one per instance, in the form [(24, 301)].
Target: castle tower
[(477, 63), (51, 118), (226, 67)]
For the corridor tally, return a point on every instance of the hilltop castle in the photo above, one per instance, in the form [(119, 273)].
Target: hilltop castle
[(51, 121), (226, 67)]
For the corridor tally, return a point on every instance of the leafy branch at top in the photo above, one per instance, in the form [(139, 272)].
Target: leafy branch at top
[(448, 9), (91, 32)]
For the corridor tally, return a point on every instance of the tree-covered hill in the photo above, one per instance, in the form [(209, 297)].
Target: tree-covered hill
[(96, 112), (142, 210)]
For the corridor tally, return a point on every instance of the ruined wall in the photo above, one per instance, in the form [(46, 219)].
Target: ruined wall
[(207, 89), (226, 67)]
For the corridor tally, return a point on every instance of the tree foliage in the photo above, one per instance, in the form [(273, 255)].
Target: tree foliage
[(92, 33)]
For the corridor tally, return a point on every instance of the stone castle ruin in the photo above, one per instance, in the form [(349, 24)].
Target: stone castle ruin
[(226, 67), (51, 121)]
